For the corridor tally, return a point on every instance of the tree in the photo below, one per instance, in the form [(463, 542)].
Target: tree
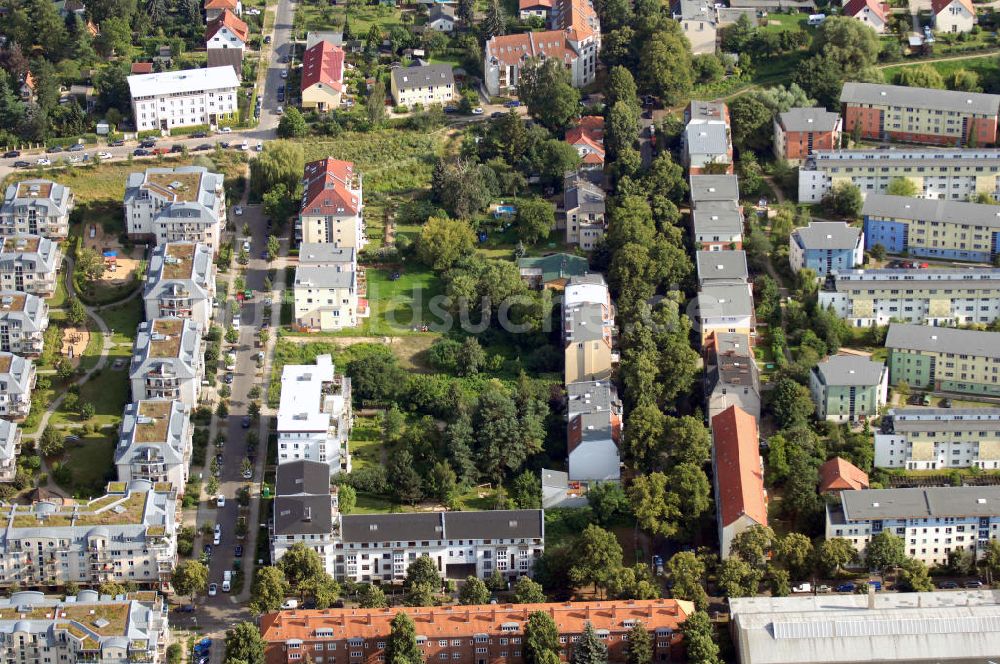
[(964, 80), (794, 552), (689, 440), (686, 572), (541, 639), (90, 264), (751, 121), (51, 442), (375, 104), (469, 357), (836, 553), (791, 403), (466, 11), (376, 376), (698, 642), (738, 578), (292, 124), (645, 431), (494, 22), (634, 582), (753, 544), (407, 484), (923, 76), (422, 570), (273, 247), (371, 596), (913, 577), (268, 590), (640, 645), (76, 313), (473, 591), (245, 644), (885, 551), (528, 591), (526, 490), (544, 87), (599, 558), (608, 502), (535, 218), (190, 577), (901, 187), (441, 481), (589, 649), (300, 563), (401, 646), (419, 594), (665, 64), (778, 580), (112, 588), (843, 49)]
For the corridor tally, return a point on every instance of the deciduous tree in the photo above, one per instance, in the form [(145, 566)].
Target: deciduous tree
[(245, 644), (401, 646), (544, 87), (599, 558), (686, 572), (474, 591)]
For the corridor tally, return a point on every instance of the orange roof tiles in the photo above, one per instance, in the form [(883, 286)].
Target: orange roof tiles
[(323, 63), (142, 67), (855, 7), (589, 133), (840, 474), (937, 6), (578, 18), (515, 49), (231, 21), (329, 189), (534, 4), (739, 475), (221, 4)]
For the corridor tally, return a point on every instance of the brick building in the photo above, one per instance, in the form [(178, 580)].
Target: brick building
[(798, 132)]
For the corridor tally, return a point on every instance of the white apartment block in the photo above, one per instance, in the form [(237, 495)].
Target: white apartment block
[(932, 522), (10, 449), (36, 207), (17, 380), (314, 415), (23, 320), (866, 298), (129, 534), (332, 204), (154, 442), (184, 98), (427, 84), (180, 282), (85, 628), (29, 263), (326, 287), (183, 204), (939, 439), (167, 361)]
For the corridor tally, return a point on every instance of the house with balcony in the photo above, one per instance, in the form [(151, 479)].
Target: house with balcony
[(798, 132), (154, 442), (23, 320), (327, 288), (182, 204), (332, 205), (588, 329), (180, 283), (10, 449), (584, 206), (944, 359), (36, 207), (314, 415), (17, 380), (304, 508), (30, 264), (849, 388), (723, 308), (939, 439), (707, 143), (824, 246), (167, 361)]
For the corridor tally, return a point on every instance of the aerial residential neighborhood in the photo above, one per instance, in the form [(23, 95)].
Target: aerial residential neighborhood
[(483, 332)]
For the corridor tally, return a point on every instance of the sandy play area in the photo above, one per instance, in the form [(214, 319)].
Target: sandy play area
[(74, 340), (124, 264)]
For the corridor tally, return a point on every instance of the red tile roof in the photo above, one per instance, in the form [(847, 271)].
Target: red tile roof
[(738, 470), (328, 188), (589, 133), (231, 21), (515, 49), (323, 63), (855, 7), (221, 4), (142, 67), (840, 474), (534, 4), (577, 18), (937, 6)]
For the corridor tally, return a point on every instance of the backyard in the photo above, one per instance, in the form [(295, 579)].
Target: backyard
[(89, 462)]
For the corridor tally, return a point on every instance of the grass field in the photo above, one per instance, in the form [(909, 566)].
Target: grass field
[(399, 306), (108, 390), (89, 460), (321, 16), (365, 442), (123, 318), (981, 65)]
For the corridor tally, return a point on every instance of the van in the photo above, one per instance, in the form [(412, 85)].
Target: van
[(227, 581), (816, 19)]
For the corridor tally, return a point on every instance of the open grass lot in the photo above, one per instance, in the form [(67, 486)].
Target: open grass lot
[(92, 354), (90, 461), (776, 22), (399, 306), (123, 318), (365, 442), (108, 390), (319, 15), (982, 65)]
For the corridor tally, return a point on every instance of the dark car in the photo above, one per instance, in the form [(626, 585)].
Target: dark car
[(199, 134), (238, 551), (224, 145), (948, 585), (513, 103), (496, 114), (281, 96), (203, 147), (451, 109), (267, 39), (116, 144), (140, 152), (185, 608), (54, 149), (177, 148), (246, 422), (208, 550), (946, 403), (76, 147), (228, 379), (975, 583), (846, 588), (22, 164), (148, 143), (10, 154)]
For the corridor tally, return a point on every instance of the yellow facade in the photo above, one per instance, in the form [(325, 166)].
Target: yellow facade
[(587, 360), (321, 97)]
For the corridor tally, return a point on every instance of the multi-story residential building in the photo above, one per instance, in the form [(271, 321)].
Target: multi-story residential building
[(10, 449), (167, 361), (721, 267), (737, 475), (587, 137), (588, 329), (798, 132), (731, 374), (552, 270), (322, 82), (932, 521), (823, 246), (848, 388), (314, 415), (939, 438), (36, 207), (180, 283), (953, 16), (84, 628), (953, 230), (838, 474), (185, 98), (154, 442), (226, 40), (472, 634), (929, 296), (713, 189), (183, 204), (326, 287), (872, 13), (332, 204), (306, 511), (17, 380), (29, 263), (717, 226), (722, 308), (707, 141), (944, 358), (426, 85), (919, 115), (128, 534), (593, 431), (23, 319), (699, 21), (584, 203)]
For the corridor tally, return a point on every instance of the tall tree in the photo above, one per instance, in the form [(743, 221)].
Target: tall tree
[(528, 591), (699, 642), (473, 591), (300, 563), (665, 63), (541, 639), (544, 87), (422, 570), (190, 577), (268, 590), (401, 646), (535, 218), (885, 551), (245, 644), (466, 11), (375, 104), (371, 596), (494, 22), (686, 572), (589, 649), (599, 558), (640, 645)]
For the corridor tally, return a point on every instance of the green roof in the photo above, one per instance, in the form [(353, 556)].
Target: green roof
[(556, 266)]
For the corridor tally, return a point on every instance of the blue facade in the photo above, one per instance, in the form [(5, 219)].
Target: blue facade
[(890, 234), (951, 254), (825, 260)]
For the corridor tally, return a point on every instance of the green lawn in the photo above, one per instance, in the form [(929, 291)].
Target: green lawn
[(123, 319), (92, 353), (58, 299), (776, 22), (399, 306), (365, 442), (90, 461), (108, 390), (983, 66)]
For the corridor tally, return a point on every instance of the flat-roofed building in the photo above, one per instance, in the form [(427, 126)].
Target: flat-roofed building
[(154, 442), (726, 268), (10, 449), (706, 142), (23, 320), (588, 329), (823, 246), (848, 388), (332, 204), (717, 226), (737, 474), (17, 380), (30, 264), (593, 431), (314, 415), (944, 358), (180, 283), (36, 207), (185, 98), (798, 132), (707, 188), (183, 204), (167, 361), (326, 287), (724, 308), (938, 439)]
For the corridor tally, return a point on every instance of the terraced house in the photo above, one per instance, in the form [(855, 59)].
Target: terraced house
[(167, 361), (17, 380), (128, 534), (183, 204), (23, 320), (154, 442), (588, 329), (332, 205), (85, 628), (944, 358), (933, 297), (36, 207), (939, 438), (29, 263), (180, 283), (952, 230)]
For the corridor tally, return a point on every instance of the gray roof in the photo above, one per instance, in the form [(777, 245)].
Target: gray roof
[(921, 503), (905, 420), (13, 253), (808, 119), (407, 78), (324, 253), (32, 317), (500, 524), (591, 396), (943, 340), (928, 157), (205, 198), (879, 94), (438, 11), (707, 138), (732, 343), (729, 266), (583, 195), (323, 277), (717, 220), (714, 188), (303, 515), (927, 209), (314, 37), (17, 379), (302, 477), (828, 235), (584, 322), (8, 436), (848, 370), (959, 279), (700, 10), (719, 301), (26, 194), (735, 369)]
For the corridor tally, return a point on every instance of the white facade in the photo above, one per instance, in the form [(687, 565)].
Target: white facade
[(23, 320), (326, 288), (183, 204), (505, 55), (225, 38), (184, 98), (36, 207), (10, 449), (426, 85), (168, 361), (939, 439), (180, 283), (154, 443), (30, 264), (314, 416), (955, 17), (17, 380)]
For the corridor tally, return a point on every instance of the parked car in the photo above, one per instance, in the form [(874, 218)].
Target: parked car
[(105, 155), (513, 103), (140, 152), (228, 379), (238, 211), (117, 144), (177, 147), (823, 588), (238, 551), (948, 585), (846, 588), (280, 110), (284, 73), (226, 130), (11, 154), (148, 143), (246, 422), (220, 501), (290, 604), (267, 39), (54, 149), (803, 588), (22, 164), (77, 147), (213, 589), (199, 134), (975, 583), (218, 534), (42, 161), (204, 146), (227, 581), (946, 403), (451, 109)]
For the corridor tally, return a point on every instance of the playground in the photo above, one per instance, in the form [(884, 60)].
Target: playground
[(119, 264), (74, 343)]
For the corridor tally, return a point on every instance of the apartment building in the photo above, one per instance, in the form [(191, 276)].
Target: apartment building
[(426, 85), (185, 98), (798, 132), (944, 358), (588, 329), (717, 226), (17, 380), (84, 628), (314, 415), (36, 207), (732, 377), (322, 83), (587, 138), (823, 246), (154, 442), (23, 320), (926, 297), (593, 431), (953, 173), (699, 21), (737, 475), (838, 474), (932, 521), (326, 287), (727, 268), (305, 511), (939, 439), (918, 115), (848, 388), (29, 264), (722, 308), (713, 189), (128, 534), (168, 361), (180, 283), (953, 16), (471, 634), (183, 204), (332, 207), (951, 230), (584, 205), (10, 449), (707, 139)]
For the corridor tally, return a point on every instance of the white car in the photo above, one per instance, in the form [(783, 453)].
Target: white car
[(248, 474), (280, 110), (218, 535), (226, 130), (238, 211), (220, 501), (244, 146), (43, 161), (76, 159), (260, 146), (290, 604), (227, 580), (284, 73), (236, 322), (105, 155), (246, 244), (478, 110), (213, 589)]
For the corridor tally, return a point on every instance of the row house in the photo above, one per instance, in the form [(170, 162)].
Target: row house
[(944, 358), (593, 431), (154, 442), (17, 380), (717, 226), (588, 329), (36, 207), (314, 415), (305, 511), (848, 388), (727, 268), (167, 361), (326, 288), (226, 40), (725, 308), (939, 439), (732, 377), (23, 321), (29, 264), (707, 143), (737, 475), (332, 205), (824, 246), (798, 132), (183, 204), (180, 283), (186, 98), (10, 449)]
